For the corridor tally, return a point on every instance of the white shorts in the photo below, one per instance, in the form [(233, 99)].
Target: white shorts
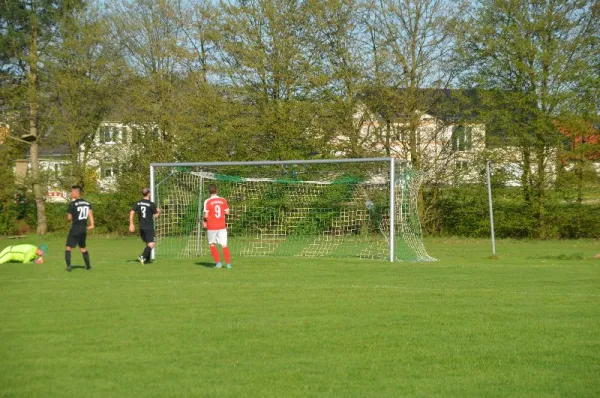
[(217, 237)]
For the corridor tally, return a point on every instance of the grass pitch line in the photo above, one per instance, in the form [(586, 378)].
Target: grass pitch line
[(276, 285)]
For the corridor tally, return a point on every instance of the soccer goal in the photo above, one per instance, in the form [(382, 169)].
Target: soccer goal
[(362, 208)]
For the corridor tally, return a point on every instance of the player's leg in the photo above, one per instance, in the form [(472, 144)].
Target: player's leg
[(84, 251), (222, 238), (72, 241), (149, 248), (150, 239), (5, 255), (212, 242), (142, 257), (68, 257)]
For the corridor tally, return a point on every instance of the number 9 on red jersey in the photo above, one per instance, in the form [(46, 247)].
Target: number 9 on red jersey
[(214, 211)]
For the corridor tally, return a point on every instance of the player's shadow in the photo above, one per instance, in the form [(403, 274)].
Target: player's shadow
[(77, 267), (205, 264), (138, 261)]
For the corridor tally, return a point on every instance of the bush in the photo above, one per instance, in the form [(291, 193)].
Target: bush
[(8, 218), (464, 211), (56, 217), (111, 214), (455, 211)]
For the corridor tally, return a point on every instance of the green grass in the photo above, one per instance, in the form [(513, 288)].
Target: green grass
[(375, 246), (524, 323)]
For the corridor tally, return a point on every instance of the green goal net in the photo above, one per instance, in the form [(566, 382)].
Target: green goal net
[(350, 208)]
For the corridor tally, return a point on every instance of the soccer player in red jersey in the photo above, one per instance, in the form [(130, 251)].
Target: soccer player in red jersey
[(215, 210)]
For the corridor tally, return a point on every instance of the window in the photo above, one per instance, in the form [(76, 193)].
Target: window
[(108, 134), (462, 139), (108, 171), (462, 165)]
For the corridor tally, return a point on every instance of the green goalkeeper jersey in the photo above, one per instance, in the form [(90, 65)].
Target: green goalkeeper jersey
[(18, 254)]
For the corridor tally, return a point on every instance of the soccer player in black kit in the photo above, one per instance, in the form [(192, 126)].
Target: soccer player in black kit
[(79, 212), (146, 211)]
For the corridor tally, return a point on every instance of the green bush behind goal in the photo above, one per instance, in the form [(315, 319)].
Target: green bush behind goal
[(364, 208)]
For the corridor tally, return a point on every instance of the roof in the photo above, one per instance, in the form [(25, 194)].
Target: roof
[(449, 105), (584, 143)]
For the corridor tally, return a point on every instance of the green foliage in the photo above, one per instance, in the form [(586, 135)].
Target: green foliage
[(8, 210), (522, 56), (464, 211), (8, 217), (111, 214), (56, 214), (273, 79)]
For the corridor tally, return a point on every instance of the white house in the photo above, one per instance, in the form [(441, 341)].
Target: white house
[(446, 148), (113, 144)]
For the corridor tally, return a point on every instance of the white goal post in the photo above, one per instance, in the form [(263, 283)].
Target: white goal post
[(363, 208)]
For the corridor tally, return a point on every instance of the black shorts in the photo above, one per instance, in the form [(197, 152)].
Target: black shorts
[(77, 238), (147, 235)]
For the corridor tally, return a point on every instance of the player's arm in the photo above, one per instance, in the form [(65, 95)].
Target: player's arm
[(91, 218), (156, 212), (69, 215), (205, 219), (131, 224)]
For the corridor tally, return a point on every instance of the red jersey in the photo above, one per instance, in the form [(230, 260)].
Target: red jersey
[(214, 211)]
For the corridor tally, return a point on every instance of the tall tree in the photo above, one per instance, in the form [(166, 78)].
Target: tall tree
[(84, 81), (265, 64), (152, 41), (531, 56), (27, 27), (336, 47), (415, 40)]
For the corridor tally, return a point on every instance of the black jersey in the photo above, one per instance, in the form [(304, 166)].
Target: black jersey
[(79, 210), (145, 210)]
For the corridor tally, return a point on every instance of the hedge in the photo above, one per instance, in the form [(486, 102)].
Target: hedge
[(455, 212)]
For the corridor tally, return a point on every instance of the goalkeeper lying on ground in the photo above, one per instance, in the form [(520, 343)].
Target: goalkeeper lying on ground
[(23, 254)]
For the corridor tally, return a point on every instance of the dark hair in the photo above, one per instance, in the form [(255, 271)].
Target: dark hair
[(146, 191), (212, 189), (77, 187)]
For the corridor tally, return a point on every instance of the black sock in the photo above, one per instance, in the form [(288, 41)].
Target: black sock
[(146, 253), (86, 258), (68, 257)]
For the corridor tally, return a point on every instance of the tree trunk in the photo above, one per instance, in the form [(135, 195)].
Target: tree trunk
[(388, 138), (525, 180), (580, 181), (76, 177), (415, 153), (540, 189), (38, 190)]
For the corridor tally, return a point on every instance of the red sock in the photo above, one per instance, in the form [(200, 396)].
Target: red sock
[(215, 253), (226, 255)]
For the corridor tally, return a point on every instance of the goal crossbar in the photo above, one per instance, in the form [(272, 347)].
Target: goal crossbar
[(272, 162)]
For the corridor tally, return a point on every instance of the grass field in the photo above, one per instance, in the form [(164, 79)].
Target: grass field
[(524, 324)]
